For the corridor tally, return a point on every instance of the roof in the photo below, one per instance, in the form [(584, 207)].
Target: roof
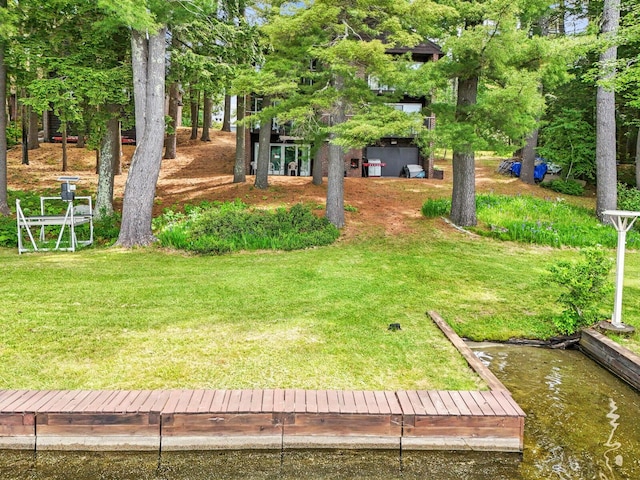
[(423, 48)]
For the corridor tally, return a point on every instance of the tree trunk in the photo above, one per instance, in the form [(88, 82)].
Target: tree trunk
[(117, 157), (638, 160), (45, 126), (139, 63), (140, 189), (32, 140), (109, 150), (65, 162), (194, 96), (317, 167), (335, 186), (172, 137), (206, 122), (335, 175), (4, 205), (226, 119), (82, 135), (264, 149), (463, 196), (25, 134), (239, 168), (529, 158), (606, 175)]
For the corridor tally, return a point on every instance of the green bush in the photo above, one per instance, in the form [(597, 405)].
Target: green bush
[(436, 207), (107, 228), (584, 283), (628, 198), (568, 187), (224, 227)]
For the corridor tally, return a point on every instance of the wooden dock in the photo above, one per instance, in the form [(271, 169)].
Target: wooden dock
[(258, 419), (275, 419)]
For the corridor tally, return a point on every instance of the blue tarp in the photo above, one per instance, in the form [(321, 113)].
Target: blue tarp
[(538, 171)]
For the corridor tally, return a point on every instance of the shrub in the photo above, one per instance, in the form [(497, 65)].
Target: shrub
[(568, 187), (584, 284), (628, 198), (106, 228), (231, 226), (436, 207)]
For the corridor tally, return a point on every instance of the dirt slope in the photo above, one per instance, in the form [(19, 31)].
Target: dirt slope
[(204, 171)]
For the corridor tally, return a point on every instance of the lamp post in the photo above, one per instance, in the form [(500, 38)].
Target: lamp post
[(622, 220)]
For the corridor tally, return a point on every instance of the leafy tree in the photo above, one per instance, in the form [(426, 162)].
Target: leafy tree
[(569, 140), (497, 69), (346, 43)]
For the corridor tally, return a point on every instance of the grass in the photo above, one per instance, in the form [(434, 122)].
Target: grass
[(528, 219), (315, 318)]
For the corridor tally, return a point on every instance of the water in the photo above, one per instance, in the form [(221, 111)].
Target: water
[(582, 423)]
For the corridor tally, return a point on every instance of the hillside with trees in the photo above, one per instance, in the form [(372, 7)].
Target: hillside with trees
[(544, 79)]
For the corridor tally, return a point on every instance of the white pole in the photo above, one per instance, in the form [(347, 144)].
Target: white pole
[(622, 242), (622, 221)]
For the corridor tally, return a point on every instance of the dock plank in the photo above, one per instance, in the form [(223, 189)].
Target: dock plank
[(156, 401), (322, 402), (256, 401), (382, 402), (218, 402), (449, 403), (172, 401), (509, 404), (194, 401), (267, 401), (428, 405), (333, 401), (206, 401), (372, 404), (394, 404), (278, 400), (289, 400), (482, 403), (349, 402), (360, 402), (15, 403), (493, 403), (312, 401), (244, 405), (416, 404), (234, 401), (97, 401), (300, 401), (460, 403), (471, 403), (437, 402), (405, 402)]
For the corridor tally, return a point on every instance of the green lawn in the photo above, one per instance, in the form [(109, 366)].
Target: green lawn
[(315, 318)]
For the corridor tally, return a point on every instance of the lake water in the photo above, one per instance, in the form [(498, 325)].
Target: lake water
[(582, 423)]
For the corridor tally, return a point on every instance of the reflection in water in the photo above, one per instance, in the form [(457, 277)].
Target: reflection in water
[(581, 424), (610, 443)]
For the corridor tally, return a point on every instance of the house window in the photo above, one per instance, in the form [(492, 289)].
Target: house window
[(288, 159)]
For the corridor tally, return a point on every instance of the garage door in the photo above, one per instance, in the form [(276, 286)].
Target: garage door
[(394, 157)]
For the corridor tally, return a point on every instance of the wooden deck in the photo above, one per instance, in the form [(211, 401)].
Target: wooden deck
[(218, 419), (276, 419)]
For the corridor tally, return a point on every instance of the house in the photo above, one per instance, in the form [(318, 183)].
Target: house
[(386, 158)]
